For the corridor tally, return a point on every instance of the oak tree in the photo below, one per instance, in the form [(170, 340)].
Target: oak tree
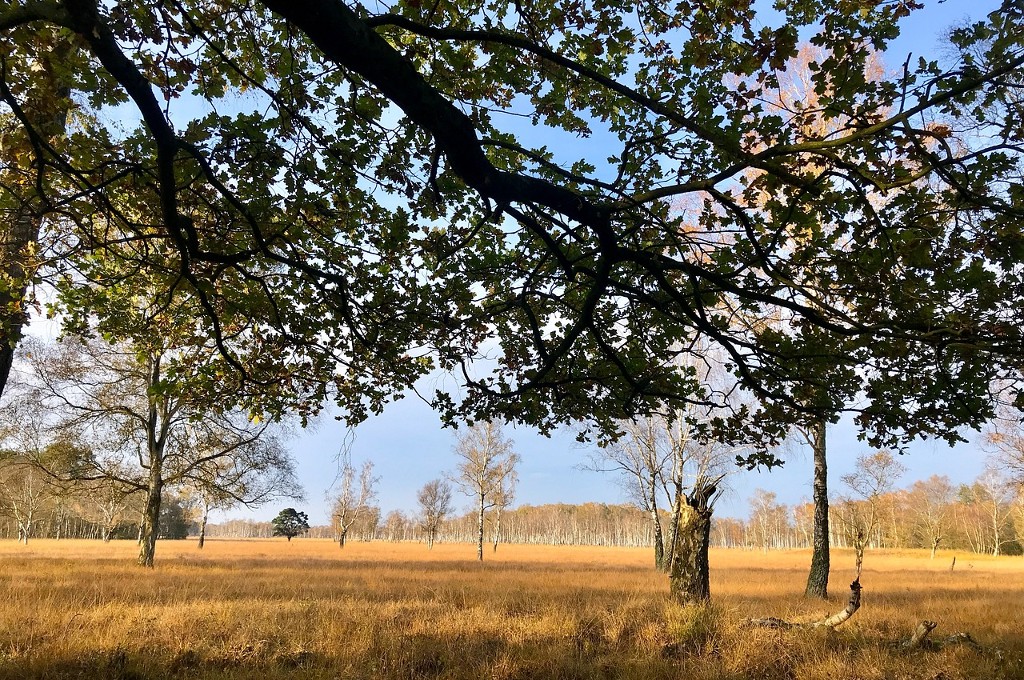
[(381, 184), (290, 523)]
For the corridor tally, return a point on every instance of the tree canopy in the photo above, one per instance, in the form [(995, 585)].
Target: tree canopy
[(554, 200), (290, 523)]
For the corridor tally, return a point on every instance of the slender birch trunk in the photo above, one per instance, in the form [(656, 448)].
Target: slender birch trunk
[(480, 529), (202, 525)]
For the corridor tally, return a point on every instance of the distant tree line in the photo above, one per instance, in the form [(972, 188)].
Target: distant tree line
[(986, 516), (33, 505)]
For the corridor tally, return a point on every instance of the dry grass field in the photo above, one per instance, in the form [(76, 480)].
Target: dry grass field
[(306, 609)]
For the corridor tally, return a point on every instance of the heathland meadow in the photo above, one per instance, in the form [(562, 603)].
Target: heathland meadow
[(272, 609)]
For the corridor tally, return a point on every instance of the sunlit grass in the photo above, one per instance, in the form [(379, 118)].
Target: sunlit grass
[(307, 609)]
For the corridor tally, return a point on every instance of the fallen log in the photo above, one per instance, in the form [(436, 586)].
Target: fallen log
[(920, 639), (840, 617)]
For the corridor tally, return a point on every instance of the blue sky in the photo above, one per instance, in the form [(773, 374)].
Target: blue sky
[(408, 448)]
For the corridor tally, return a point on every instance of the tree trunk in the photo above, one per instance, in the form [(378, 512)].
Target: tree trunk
[(151, 517), (935, 546), (342, 536), (659, 541), (995, 533), (202, 526), (689, 575), (673, 536), (497, 528), (47, 110), (480, 531), (817, 578)]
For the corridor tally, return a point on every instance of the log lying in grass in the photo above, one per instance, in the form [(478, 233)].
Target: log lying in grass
[(920, 640), (840, 617)]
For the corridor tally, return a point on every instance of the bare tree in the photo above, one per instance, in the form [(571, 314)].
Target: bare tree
[(665, 463), (24, 490), (396, 526), (111, 500), (931, 504), (765, 518), (147, 431), (641, 457), (435, 499), (486, 461), (502, 498), (1004, 439), (994, 493), (874, 475), (354, 496)]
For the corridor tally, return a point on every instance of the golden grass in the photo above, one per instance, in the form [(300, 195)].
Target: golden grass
[(306, 609)]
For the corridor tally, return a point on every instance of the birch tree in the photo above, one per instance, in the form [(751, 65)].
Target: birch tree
[(24, 492), (353, 498), (931, 504), (435, 501), (486, 465), (874, 475)]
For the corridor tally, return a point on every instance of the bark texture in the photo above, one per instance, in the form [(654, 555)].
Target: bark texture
[(202, 526), (480, 528), (817, 578), (151, 516), (46, 111), (689, 575)]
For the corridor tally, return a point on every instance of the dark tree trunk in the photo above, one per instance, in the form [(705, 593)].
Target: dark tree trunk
[(14, 242), (817, 578), (47, 110), (341, 538), (151, 516), (689, 575)]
